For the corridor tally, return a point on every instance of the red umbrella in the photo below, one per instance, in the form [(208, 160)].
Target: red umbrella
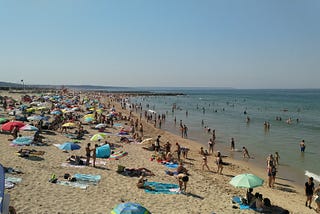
[(10, 125)]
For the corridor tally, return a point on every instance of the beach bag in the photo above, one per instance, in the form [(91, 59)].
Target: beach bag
[(267, 202)]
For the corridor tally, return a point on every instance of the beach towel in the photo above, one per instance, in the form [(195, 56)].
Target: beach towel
[(73, 184), (117, 155), (237, 200), (87, 178), (171, 165), (162, 188), (13, 179)]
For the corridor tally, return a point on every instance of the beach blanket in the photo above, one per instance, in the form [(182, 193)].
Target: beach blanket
[(117, 155), (237, 200), (73, 184), (162, 188), (87, 178), (171, 165), (13, 179)]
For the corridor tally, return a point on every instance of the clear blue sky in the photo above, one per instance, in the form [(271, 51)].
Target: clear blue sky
[(226, 43)]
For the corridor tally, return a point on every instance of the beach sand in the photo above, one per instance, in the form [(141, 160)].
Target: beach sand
[(207, 192)]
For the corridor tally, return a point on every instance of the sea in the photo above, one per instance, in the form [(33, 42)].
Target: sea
[(293, 115)]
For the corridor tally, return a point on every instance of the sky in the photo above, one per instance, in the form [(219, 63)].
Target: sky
[(161, 43)]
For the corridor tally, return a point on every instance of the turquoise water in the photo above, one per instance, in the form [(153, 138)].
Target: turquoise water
[(224, 112)]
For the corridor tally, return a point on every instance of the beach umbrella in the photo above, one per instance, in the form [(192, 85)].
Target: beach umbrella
[(69, 125), (35, 118), (69, 146), (44, 108), (130, 208), (99, 136), (246, 181), (21, 141), (56, 112), (310, 174), (88, 119), (3, 120), (29, 128), (11, 124), (88, 115), (30, 110), (100, 125)]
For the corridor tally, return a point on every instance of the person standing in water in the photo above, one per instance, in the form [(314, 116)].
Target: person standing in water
[(302, 146)]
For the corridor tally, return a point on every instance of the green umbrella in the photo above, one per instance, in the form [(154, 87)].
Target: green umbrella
[(246, 181), (99, 136), (3, 120)]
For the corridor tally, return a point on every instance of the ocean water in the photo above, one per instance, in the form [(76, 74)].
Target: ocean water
[(225, 112)]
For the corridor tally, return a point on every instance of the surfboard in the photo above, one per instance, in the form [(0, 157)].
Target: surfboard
[(1, 187)]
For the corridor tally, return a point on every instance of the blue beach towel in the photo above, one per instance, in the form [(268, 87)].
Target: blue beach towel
[(237, 199), (88, 177), (162, 188), (171, 165)]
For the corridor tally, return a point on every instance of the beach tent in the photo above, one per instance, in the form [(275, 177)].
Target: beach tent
[(130, 208), (103, 151)]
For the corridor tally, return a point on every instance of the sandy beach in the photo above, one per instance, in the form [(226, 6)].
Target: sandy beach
[(207, 192)]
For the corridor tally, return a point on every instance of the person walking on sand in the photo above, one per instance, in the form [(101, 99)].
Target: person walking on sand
[(94, 150), (205, 162), (302, 146), (88, 154), (219, 163), (309, 189), (232, 144), (157, 144)]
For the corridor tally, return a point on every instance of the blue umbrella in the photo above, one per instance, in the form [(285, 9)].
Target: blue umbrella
[(36, 117), (21, 141), (69, 146), (130, 208)]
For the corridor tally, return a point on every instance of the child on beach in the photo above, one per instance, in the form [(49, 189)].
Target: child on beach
[(245, 152)]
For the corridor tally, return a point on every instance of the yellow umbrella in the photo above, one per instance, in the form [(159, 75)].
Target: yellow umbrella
[(69, 125), (88, 115), (29, 110), (100, 110), (42, 108)]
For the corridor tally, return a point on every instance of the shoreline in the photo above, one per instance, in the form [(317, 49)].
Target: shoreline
[(234, 156), (209, 192)]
